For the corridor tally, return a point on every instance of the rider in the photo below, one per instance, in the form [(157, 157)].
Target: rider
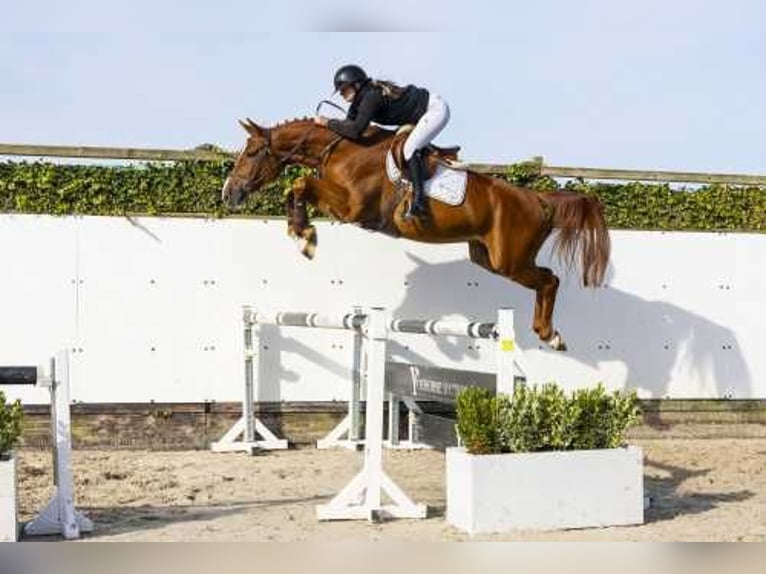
[(389, 104)]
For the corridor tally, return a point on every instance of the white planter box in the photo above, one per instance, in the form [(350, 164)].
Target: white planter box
[(9, 526), (544, 490)]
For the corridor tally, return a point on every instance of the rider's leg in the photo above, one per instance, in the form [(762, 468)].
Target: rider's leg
[(417, 174), (427, 128)]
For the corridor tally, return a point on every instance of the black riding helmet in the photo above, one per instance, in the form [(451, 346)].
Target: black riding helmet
[(349, 74)]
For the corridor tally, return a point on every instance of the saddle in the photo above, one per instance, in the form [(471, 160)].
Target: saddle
[(433, 155)]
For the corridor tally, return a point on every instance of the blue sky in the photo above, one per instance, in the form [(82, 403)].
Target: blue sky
[(651, 84)]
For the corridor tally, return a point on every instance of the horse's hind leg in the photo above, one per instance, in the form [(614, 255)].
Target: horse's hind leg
[(521, 268), (545, 285)]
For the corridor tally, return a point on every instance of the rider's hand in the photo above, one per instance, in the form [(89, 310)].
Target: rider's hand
[(321, 121)]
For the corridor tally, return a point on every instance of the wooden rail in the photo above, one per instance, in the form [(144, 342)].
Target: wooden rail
[(588, 173), (92, 152), (591, 173)]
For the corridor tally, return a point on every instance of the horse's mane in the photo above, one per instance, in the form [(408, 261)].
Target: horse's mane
[(372, 136), (286, 123)]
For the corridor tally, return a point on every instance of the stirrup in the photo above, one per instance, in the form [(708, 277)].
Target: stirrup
[(414, 210)]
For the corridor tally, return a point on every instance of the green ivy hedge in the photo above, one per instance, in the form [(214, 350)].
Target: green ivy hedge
[(194, 188), (11, 419)]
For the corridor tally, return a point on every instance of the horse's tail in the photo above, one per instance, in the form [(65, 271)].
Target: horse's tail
[(582, 234)]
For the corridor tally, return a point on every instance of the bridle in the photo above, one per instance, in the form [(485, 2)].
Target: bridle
[(283, 159), (266, 150)]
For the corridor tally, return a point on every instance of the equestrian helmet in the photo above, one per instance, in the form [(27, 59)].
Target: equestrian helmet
[(349, 74)]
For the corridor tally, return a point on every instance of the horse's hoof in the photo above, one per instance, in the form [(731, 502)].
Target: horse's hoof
[(557, 342), (308, 242), (308, 250)]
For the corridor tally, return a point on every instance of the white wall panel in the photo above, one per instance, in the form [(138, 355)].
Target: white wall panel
[(38, 293), (155, 306)]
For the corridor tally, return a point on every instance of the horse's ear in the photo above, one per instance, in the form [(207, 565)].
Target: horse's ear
[(251, 127)]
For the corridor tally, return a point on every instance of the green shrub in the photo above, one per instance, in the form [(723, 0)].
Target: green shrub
[(544, 418), (194, 188), (537, 420), (11, 417), (598, 419), (477, 421)]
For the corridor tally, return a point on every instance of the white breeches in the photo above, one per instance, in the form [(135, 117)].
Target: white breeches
[(428, 127)]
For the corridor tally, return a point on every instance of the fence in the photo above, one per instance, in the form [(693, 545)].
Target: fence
[(143, 154)]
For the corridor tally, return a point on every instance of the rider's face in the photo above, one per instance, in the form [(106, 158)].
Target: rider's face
[(348, 93)]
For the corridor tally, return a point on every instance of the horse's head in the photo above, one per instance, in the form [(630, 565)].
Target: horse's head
[(255, 166)]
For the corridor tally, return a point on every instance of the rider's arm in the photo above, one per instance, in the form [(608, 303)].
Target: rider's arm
[(355, 124)]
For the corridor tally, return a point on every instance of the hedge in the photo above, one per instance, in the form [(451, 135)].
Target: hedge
[(544, 418), (194, 188)]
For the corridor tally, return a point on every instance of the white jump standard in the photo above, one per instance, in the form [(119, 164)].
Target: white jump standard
[(243, 436), (59, 516), (362, 498)]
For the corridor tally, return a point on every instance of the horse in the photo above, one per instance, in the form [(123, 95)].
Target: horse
[(504, 225)]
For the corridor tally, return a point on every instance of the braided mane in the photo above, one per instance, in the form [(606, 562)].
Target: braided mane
[(292, 121)]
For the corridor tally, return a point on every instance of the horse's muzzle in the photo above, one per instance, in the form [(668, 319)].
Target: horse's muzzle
[(231, 194)]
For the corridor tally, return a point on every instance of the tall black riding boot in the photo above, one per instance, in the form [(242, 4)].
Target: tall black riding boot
[(417, 172)]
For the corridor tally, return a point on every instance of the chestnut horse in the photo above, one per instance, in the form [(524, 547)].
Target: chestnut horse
[(504, 225)]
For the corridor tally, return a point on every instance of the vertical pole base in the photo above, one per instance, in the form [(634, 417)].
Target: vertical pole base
[(235, 441), (354, 502), (339, 437), (56, 518)]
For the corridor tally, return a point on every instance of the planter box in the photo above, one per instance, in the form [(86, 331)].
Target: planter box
[(544, 490), (9, 526)]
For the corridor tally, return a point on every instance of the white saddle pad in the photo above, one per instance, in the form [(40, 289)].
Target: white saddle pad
[(447, 185)]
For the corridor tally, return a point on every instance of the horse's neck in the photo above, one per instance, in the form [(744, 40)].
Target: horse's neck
[(305, 140)]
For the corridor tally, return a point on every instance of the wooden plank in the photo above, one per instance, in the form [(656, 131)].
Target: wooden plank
[(589, 173), (654, 176), (93, 152), (195, 425)]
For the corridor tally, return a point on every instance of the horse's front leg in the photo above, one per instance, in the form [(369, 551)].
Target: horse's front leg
[(299, 225), (290, 212), (330, 198)]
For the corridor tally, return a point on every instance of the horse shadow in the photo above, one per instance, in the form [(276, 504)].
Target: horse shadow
[(668, 499), (657, 346)]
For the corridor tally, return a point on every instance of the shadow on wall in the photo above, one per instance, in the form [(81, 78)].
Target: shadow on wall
[(661, 345), (283, 352)]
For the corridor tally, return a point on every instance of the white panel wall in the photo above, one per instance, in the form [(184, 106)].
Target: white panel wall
[(152, 307), (38, 292)]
